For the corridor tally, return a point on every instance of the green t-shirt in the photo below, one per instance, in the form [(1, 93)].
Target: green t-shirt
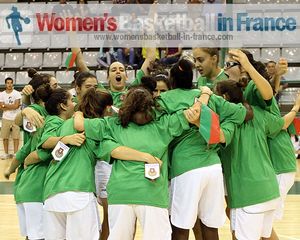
[(76, 171), (27, 136), (249, 174), (118, 97), (253, 96), (26, 149), (127, 183), (190, 151), (52, 123), (204, 81), (281, 147), (30, 188)]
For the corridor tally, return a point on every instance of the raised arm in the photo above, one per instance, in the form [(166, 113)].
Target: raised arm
[(150, 58), (289, 117), (281, 69), (80, 63), (27, 91), (261, 83)]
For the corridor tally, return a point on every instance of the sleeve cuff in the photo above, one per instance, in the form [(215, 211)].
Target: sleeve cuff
[(106, 148)]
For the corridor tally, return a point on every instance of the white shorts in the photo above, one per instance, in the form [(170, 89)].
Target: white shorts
[(198, 193), (102, 174), (154, 222), (31, 219), (253, 222), (285, 182), (78, 225)]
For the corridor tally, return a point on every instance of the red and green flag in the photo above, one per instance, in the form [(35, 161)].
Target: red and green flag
[(209, 125), (70, 60)]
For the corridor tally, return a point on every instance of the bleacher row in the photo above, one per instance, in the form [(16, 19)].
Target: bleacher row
[(41, 59), (63, 77), (14, 64), (57, 59), (66, 77)]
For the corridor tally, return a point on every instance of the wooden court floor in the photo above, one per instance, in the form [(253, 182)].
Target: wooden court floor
[(287, 229)]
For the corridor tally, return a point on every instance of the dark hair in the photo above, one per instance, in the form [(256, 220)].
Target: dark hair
[(42, 92), (54, 98), (76, 74), (40, 84), (259, 66), (270, 62), (82, 77), (212, 52), (94, 102), (31, 72), (181, 74), (160, 74), (148, 83), (85, 1), (73, 83), (232, 89), (107, 71), (234, 93), (137, 107), (8, 79)]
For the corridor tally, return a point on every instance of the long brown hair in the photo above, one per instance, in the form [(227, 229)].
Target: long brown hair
[(137, 107), (232, 90), (234, 93), (94, 103)]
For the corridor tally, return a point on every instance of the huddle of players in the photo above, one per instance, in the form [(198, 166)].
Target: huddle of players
[(144, 125)]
